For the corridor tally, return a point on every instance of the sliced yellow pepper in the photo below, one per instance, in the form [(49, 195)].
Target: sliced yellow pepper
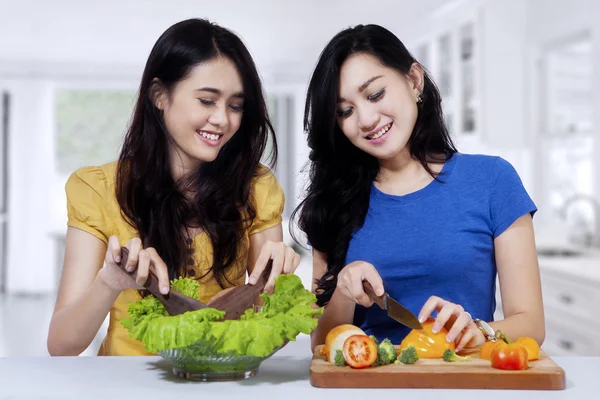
[(427, 343)]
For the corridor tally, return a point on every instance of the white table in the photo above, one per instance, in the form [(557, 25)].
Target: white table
[(284, 376)]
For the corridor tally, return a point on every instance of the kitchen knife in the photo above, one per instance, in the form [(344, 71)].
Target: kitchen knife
[(394, 309)]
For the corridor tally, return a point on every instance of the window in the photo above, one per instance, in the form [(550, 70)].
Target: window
[(90, 125), (568, 133), (468, 78), (445, 66), (4, 127)]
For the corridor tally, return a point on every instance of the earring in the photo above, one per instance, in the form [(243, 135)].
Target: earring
[(419, 97)]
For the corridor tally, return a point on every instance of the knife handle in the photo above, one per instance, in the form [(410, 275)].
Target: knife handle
[(371, 293)]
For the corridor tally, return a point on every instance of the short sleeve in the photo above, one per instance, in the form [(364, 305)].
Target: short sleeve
[(87, 202), (509, 198), (268, 200)]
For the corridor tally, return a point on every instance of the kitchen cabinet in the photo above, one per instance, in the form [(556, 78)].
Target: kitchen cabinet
[(571, 295), (450, 52), (478, 56), (571, 292)]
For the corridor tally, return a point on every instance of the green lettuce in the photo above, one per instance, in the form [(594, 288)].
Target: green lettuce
[(186, 286), (286, 313)]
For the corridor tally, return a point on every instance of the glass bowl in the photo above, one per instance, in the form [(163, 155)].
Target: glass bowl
[(200, 362)]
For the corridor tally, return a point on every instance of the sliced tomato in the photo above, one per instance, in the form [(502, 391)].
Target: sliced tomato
[(360, 351)]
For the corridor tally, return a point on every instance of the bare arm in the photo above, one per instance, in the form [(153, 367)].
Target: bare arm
[(339, 309), (87, 291), (83, 299), (520, 286), (349, 291)]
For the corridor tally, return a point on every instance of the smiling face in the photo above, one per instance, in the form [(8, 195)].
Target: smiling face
[(202, 112), (377, 105)]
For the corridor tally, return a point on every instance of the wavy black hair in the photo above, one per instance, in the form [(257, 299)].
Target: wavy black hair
[(340, 174), (149, 197)]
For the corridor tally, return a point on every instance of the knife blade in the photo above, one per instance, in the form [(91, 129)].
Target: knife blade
[(394, 309)]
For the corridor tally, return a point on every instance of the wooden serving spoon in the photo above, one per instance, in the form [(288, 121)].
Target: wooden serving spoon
[(175, 302), (240, 298)]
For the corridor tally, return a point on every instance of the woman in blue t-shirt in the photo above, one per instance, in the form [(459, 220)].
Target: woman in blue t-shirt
[(392, 202)]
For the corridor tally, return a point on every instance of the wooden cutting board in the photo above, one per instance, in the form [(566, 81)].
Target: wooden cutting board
[(543, 374)]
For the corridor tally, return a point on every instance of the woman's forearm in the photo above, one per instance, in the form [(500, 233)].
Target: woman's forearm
[(73, 327), (339, 310), (522, 324)]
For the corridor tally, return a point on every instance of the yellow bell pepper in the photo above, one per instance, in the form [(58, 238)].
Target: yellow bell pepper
[(427, 343), (485, 353), (532, 347)]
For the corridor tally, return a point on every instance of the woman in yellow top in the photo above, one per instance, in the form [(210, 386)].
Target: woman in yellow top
[(187, 196)]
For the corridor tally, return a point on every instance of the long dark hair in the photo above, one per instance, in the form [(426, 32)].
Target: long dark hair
[(341, 174), (149, 197)]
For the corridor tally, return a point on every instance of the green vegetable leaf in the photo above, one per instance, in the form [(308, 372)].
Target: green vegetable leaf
[(286, 313), (186, 286)]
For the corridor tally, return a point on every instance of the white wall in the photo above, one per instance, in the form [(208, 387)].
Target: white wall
[(504, 34), (284, 37), (557, 19)]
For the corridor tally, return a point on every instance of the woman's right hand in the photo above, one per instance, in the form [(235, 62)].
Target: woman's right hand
[(145, 259), (350, 282)]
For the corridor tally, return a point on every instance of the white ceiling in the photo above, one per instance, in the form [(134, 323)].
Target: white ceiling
[(280, 34)]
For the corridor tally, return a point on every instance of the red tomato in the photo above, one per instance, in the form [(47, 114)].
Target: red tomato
[(360, 351), (510, 357)]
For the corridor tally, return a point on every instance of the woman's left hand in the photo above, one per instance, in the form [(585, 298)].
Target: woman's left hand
[(285, 261), (459, 323)]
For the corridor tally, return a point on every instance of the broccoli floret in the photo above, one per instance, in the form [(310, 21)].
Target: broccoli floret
[(408, 356), (339, 360), (386, 352), (374, 339), (451, 356)]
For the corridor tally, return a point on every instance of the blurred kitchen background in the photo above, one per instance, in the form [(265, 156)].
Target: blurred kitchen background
[(520, 79)]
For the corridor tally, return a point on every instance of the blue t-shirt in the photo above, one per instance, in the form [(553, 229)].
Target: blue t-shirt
[(440, 240)]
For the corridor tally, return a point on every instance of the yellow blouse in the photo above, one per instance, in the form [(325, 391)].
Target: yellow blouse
[(92, 207)]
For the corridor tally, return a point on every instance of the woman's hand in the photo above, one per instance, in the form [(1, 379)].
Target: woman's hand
[(145, 260), (285, 261), (458, 322), (350, 282)]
